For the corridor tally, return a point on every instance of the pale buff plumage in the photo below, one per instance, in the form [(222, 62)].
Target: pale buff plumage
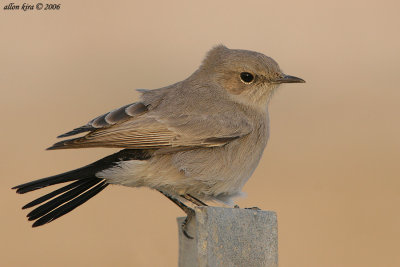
[(201, 137)]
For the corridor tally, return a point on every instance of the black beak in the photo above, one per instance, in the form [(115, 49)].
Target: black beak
[(289, 79)]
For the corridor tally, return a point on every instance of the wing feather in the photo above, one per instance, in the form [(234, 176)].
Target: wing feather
[(113, 117), (135, 126)]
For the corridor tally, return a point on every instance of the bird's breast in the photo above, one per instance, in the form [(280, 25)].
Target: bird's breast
[(224, 170)]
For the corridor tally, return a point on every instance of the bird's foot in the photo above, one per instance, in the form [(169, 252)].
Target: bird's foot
[(253, 208), (190, 214)]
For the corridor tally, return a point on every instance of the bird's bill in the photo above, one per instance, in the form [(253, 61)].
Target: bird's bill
[(290, 79)]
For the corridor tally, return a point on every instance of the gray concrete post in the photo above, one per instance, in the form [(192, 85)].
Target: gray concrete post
[(229, 237)]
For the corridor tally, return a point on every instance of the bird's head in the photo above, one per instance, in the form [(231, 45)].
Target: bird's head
[(248, 76)]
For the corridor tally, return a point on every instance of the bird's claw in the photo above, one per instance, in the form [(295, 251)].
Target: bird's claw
[(253, 208), (190, 214)]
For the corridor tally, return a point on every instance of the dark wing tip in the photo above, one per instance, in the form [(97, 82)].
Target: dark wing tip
[(55, 146), (82, 129), (64, 144)]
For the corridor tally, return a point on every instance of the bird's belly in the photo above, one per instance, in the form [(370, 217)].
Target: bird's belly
[(219, 173), (208, 173)]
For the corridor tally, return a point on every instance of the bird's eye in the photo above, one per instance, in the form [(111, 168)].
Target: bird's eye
[(246, 77)]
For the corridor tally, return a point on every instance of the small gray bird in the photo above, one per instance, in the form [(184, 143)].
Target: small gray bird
[(196, 140)]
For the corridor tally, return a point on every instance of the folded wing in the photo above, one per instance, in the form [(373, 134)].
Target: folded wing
[(136, 127)]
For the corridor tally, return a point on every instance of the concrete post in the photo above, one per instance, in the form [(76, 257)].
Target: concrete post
[(229, 237)]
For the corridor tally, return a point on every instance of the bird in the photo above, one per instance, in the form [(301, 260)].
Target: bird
[(196, 141)]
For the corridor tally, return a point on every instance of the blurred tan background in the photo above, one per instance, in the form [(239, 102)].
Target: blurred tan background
[(331, 168)]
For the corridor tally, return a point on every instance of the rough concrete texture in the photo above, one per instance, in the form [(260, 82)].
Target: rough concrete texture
[(229, 237)]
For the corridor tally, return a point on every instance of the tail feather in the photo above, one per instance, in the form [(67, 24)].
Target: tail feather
[(78, 174), (53, 194), (83, 185), (71, 205), (60, 200), (84, 172)]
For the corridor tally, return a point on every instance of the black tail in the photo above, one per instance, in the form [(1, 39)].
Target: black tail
[(84, 185)]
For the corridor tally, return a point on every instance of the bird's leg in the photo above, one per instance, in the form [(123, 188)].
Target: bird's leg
[(194, 200), (185, 223), (189, 213)]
